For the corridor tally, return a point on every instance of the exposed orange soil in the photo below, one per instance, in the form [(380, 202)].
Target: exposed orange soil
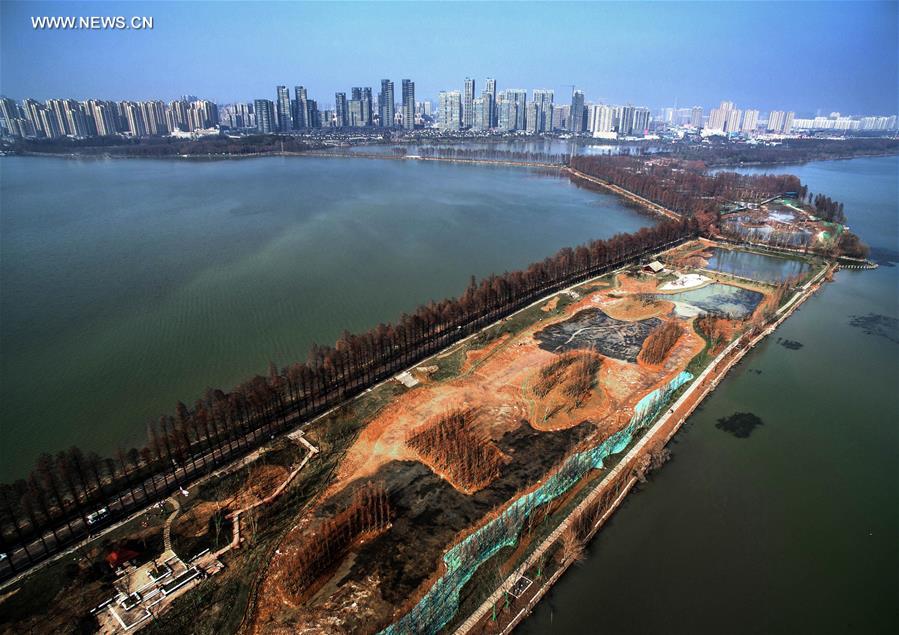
[(498, 380), (551, 305)]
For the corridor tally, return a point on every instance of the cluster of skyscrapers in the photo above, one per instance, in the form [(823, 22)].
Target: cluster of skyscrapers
[(503, 111), (728, 119), (510, 110), (301, 113), (68, 117)]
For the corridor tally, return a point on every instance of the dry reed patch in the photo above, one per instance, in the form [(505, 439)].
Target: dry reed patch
[(324, 546), (659, 342), (454, 448)]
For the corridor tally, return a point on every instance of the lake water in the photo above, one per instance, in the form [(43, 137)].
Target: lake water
[(756, 266), (127, 285), (793, 529)]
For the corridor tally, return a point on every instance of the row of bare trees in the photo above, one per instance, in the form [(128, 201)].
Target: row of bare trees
[(452, 445), (660, 341), (51, 507), (685, 187), (369, 512)]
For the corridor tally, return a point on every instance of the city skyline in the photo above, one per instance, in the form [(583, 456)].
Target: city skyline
[(641, 56)]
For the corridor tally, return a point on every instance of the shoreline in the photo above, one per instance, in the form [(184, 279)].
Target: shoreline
[(322, 153)]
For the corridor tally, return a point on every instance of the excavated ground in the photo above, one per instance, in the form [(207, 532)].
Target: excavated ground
[(383, 575)]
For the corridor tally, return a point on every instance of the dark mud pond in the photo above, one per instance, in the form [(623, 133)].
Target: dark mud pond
[(594, 330)]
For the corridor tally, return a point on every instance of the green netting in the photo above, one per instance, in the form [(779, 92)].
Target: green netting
[(441, 601)]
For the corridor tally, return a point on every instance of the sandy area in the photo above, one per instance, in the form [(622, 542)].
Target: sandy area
[(685, 281)]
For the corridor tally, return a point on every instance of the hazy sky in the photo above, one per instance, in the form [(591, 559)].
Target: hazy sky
[(801, 56)]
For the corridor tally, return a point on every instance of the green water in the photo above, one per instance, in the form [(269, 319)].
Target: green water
[(127, 285), (794, 529)]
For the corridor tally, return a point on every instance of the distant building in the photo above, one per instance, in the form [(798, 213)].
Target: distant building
[(341, 110), (733, 120), (301, 108), (519, 97), (577, 118), (544, 99), (602, 121), (386, 104), (507, 109), (491, 90), (775, 121), (696, 117), (449, 110), (750, 121), (285, 121), (468, 103), (408, 104), (354, 113), (641, 122), (560, 117), (266, 123), (788, 122)]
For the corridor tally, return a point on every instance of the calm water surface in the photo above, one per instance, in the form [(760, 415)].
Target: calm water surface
[(755, 266), (127, 285), (794, 529)]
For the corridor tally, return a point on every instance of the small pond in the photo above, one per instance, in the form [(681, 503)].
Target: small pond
[(755, 266), (714, 298)]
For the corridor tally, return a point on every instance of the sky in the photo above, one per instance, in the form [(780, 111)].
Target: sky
[(802, 56)]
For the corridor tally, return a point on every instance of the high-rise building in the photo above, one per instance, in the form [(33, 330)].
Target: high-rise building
[(265, 116), (363, 96), (480, 121), (491, 90), (483, 110), (601, 121), (341, 114), (301, 112), (560, 117), (449, 110), (625, 117), (776, 121), (788, 122), (543, 97), (734, 118), (285, 121), (641, 122), (408, 104), (386, 104), (750, 120), (577, 116), (367, 118), (520, 97), (696, 117), (314, 118), (717, 120), (532, 117), (468, 104), (507, 109), (354, 113)]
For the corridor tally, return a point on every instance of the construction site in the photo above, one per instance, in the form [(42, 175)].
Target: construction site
[(449, 496), (489, 447)]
